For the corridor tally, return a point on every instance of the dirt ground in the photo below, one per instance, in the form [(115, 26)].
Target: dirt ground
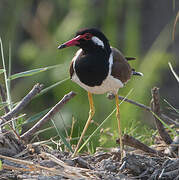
[(43, 163), (20, 160)]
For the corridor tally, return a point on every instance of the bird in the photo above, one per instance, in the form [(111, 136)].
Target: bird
[(98, 68)]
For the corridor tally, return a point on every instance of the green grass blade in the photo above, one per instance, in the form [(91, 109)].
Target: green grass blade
[(1, 167), (2, 71), (6, 80), (10, 60), (3, 105), (36, 116), (4, 67), (9, 74), (9, 85), (31, 72), (62, 137), (174, 73), (52, 86), (98, 128), (43, 130), (177, 111)]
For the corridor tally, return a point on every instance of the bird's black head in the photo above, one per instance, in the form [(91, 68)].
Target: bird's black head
[(89, 39)]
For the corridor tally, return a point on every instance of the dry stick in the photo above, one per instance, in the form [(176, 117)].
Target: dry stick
[(131, 141), (27, 135), (155, 106), (35, 90), (80, 172), (3, 97), (135, 103), (163, 116), (31, 166), (111, 96)]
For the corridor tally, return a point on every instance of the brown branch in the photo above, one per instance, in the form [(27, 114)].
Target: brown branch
[(131, 141), (29, 166), (135, 103), (35, 90), (147, 108), (3, 97), (111, 96), (27, 135), (155, 106)]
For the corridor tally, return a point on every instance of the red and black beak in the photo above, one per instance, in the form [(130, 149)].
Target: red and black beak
[(72, 42)]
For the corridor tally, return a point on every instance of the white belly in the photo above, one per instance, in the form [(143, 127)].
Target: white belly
[(110, 84)]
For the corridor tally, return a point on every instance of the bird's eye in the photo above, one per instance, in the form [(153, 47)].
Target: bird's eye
[(87, 36)]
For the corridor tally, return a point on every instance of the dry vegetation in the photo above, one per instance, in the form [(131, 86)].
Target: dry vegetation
[(22, 160)]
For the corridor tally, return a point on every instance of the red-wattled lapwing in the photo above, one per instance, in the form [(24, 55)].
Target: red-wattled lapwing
[(98, 68)]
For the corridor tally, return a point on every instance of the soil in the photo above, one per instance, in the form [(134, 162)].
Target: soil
[(20, 160), (39, 161)]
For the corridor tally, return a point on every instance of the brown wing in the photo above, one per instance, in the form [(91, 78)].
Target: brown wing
[(78, 54), (120, 68), (71, 70)]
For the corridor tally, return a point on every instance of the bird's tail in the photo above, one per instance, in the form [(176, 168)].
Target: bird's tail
[(136, 73)]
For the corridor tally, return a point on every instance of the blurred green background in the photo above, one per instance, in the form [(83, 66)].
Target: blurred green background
[(141, 29)]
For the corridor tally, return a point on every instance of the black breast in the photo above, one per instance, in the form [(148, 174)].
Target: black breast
[(92, 68)]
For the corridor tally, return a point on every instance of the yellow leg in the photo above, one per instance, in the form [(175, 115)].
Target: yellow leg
[(91, 114), (119, 126)]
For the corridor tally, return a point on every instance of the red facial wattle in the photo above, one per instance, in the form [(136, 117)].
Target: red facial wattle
[(75, 41)]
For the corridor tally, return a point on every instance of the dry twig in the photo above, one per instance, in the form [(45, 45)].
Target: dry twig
[(35, 90), (31, 166), (131, 141), (111, 96), (80, 172), (155, 106), (147, 108), (27, 135)]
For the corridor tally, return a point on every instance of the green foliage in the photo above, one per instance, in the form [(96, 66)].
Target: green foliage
[(7, 82), (108, 136), (34, 118), (62, 137), (2, 71), (2, 105), (51, 87), (28, 52), (19, 123), (1, 167), (30, 72)]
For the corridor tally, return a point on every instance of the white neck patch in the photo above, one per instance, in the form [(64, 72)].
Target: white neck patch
[(97, 41)]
